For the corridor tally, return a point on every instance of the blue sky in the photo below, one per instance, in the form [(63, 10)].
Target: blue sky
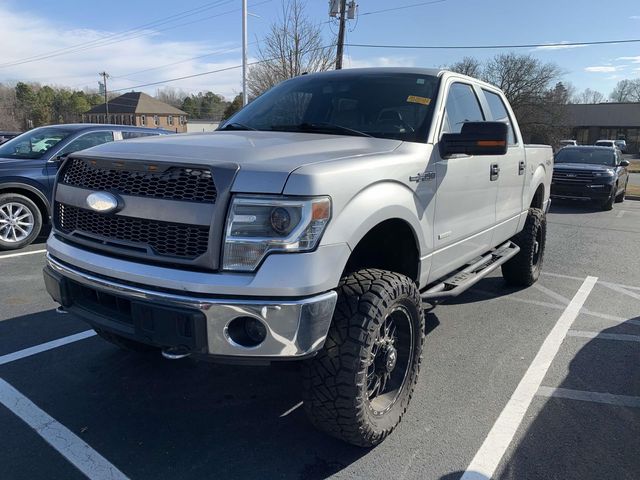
[(34, 27)]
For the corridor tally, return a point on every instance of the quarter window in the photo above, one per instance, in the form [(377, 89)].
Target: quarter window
[(86, 141), (499, 113), (462, 106)]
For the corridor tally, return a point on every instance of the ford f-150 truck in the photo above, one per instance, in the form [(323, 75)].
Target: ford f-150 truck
[(315, 225)]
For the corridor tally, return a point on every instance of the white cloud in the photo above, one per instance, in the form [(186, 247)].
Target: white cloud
[(25, 35), (635, 17), (605, 68), (395, 61), (560, 46), (630, 59)]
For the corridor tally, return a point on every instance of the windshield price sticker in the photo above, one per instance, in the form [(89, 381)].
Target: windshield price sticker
[(417, 99)]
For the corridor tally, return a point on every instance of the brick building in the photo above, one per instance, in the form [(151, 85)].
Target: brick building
[(141, 110)]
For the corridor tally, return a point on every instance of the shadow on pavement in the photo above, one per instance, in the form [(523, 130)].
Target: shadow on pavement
[(572, 207), (575, 440)]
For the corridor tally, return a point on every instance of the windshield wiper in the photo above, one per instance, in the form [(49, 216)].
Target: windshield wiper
[(237, 126), (321, 127)]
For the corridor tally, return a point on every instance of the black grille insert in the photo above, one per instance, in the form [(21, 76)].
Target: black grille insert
[(176, 183), (165, 239)]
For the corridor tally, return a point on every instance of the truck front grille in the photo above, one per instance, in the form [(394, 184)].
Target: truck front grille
[(176, 183), (164, 238), (572, 176)]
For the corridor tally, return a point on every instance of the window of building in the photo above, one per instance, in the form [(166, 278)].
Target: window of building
[(143, 120), (127, 135), (499, 113), (156, 120), (170, 119), (462, 106), (181, 120)]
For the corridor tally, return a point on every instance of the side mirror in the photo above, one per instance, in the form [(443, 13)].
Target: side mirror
[(476, 138), (624, 163)]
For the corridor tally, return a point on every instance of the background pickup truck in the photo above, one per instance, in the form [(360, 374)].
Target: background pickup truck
[(314, 226)]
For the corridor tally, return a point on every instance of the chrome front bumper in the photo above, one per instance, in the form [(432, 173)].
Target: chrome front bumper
[(295, 328)]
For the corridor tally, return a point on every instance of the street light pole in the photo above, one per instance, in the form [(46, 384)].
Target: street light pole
[(244, 53), (343, 18)]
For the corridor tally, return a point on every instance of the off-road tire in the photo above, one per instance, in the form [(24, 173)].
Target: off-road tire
[(524, 268), (335, 382), (125, 343), (28, 204), (608, 203), (620, 198)]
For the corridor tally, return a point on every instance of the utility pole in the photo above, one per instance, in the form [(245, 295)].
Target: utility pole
[(244, 53), (343, 19), (104, 76)]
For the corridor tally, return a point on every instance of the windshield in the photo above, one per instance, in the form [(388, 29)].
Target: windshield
[(594, 156), (34, 143), (604, 144), (384, 105)]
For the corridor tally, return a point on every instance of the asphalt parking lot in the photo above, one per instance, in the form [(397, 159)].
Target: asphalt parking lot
[(541, 383)]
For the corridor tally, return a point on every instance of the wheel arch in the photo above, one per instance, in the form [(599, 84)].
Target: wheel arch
[(31, 192)]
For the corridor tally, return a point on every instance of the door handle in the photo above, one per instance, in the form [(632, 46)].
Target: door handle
[(494, 172), (521, 167)]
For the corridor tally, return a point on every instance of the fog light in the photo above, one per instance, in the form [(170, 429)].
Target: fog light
[(246, 332)]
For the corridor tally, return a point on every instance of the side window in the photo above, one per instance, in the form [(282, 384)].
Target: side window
[(462, 106), (499, 113), (126, 135), (86, 141)]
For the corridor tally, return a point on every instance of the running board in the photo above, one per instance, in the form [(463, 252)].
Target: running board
[(470, 275)]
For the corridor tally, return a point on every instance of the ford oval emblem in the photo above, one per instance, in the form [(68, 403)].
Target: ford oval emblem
[(102, 202)]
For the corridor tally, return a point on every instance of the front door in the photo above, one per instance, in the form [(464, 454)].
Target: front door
[(466, 191)]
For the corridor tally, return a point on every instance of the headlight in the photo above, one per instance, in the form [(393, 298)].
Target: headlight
[(257, 226), (604, 173)]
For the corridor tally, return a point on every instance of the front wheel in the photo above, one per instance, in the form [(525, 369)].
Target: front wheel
[(359, 385), (524, 269), (20, 221)]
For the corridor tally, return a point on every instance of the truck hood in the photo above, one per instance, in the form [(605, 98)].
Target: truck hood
[(581, 166), (264, 159)]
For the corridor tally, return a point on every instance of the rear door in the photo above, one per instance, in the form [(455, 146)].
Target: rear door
[(511, 174), (465, 194)]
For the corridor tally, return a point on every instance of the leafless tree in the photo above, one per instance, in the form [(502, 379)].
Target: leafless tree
[(523, 78), (171, 96), (294, 45), (626, 91), (9, 117), (589, 96), (467, 66)]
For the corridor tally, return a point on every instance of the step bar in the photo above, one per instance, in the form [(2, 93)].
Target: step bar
[(470, 275)]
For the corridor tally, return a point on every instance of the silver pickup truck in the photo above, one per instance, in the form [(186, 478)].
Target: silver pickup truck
[(315, 225)]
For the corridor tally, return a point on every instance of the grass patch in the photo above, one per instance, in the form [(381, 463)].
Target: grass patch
[(633, 190)]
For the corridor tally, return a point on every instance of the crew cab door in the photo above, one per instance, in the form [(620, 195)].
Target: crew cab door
[(511, 171), (466, 192)]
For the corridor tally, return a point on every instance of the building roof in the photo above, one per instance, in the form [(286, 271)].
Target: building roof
[(137, 102), (604, 115)]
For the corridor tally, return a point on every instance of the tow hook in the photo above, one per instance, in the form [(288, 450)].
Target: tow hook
[(175, 353)]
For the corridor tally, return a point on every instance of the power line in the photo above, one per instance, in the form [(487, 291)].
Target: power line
[(402, 7), (126, 35), (212, 71), (478, 47)]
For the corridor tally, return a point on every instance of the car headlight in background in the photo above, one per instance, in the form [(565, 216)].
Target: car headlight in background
[(257, 226), (604, 173)]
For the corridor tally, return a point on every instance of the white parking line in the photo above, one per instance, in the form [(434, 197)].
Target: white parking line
[(504, 429), (625, 291), (620, 214), (43, 347), (597, 397), (11, 255), (604, 336), (570, 277), (69, 445)]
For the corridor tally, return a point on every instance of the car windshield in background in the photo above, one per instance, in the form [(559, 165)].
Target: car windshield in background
[(594, 156), (34, 144), (384, 105), (605, 144)]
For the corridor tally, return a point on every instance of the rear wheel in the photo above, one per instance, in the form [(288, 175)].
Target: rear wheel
[(620, 198), (359, 385), (524, 268), (20, 221), (125, 343)]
